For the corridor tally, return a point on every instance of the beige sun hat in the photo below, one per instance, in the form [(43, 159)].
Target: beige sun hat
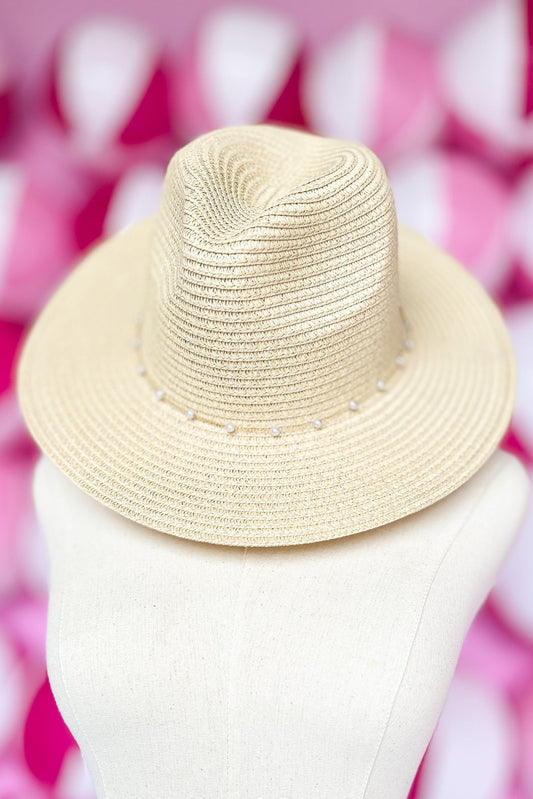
[(270, 359)]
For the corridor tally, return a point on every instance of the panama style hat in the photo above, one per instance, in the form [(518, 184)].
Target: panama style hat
[(270, 359)]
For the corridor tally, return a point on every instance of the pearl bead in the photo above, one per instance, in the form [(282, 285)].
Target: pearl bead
[(159, 393), (136, 343), (409, 344), (399, 360), (141, 369), (190, 413), (139, 318), (353, 405), (381, 385), (408, 324), (318, 423), (275, 431), (230, 428)]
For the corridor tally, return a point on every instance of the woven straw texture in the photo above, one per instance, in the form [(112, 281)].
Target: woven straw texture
[(272, 289)]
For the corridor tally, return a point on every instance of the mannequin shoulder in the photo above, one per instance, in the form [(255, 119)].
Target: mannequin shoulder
[(56, 497), (48, 480), (494, 501), (505, 476)]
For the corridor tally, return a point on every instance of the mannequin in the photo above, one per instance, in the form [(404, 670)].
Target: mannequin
[(314, 671)]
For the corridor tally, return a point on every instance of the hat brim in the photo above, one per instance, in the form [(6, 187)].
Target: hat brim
[(439, 420)]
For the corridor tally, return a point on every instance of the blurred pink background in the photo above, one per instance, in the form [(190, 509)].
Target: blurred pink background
[(94, 98), (29, 28)]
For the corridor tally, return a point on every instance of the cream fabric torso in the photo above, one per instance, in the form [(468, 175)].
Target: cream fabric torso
[(314, 671)]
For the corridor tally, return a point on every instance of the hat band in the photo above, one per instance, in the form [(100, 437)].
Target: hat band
[(161, 395)]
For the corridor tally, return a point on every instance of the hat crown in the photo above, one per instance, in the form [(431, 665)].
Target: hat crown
[(273, 292)]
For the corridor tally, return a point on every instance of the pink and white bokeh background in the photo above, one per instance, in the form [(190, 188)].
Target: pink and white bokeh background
[(95, 98)]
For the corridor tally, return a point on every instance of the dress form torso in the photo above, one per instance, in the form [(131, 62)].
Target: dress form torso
[(313, 671)]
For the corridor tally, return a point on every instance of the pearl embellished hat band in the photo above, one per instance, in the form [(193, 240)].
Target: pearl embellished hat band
[(161, 393), (303, 367)]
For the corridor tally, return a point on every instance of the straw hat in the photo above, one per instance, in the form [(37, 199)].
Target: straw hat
[(270, 359)]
